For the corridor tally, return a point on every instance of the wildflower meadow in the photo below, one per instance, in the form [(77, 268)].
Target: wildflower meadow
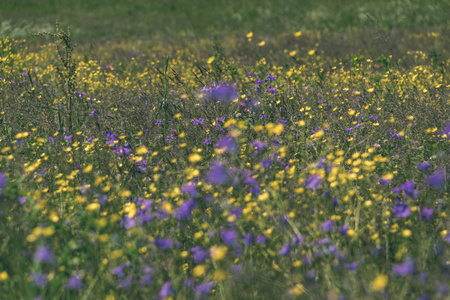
[(297, 163)]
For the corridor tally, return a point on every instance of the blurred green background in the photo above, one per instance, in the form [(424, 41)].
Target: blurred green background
[(109, 19)]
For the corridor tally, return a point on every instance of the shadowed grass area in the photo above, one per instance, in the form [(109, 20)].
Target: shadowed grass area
[(146, 19)]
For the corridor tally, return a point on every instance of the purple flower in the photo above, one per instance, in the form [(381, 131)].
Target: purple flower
[(408, 189), (247, 240), (39, 279), (437, 179), (351, 266), (272, 90), (159, 122), (125, 282), (404, 269), (286, 249), (298, 239), (313, 182), (123, 151), (271, 78), (190, 189), (261, 239), (229, 236), (128, 222), (25, 74), (74, 283), (199, 254), (89, 140), (43, 254), (3, 180), (93, 113), (401, 210), (229, 144), (237, 268), (327, 226), (198, 121), (118, 271), (52, 139), (427, 213), (162, 243), (68, 138), (146, 279), (424, 166), (258, 145), (446, 130), (185, 210), (343, 229), (324, 241), (165, 290), (225, 93), (265, 163), (207, 141), (218, 174), (204, 288)]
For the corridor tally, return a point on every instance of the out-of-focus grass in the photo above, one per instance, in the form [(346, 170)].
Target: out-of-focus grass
[(146, 19), (236, 151)]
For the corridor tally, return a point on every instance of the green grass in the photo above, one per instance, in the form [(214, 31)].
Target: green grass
[(126, 165), (145, 19)]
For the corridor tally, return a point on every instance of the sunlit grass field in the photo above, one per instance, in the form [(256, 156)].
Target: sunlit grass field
[(186, 162)]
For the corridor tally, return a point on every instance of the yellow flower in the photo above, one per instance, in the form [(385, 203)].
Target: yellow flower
[(210, 60), (379, 283), (87, 169), (262, 43), (93, 206), (3, 276), (141, 150), (301, 123), (351, 233), (125, 194), (317, 135), (406, 233), (297, 290), (218, 252), (263, 196), (258, 128), (130, 209), (21, 135), (199, 271), (195, 157)]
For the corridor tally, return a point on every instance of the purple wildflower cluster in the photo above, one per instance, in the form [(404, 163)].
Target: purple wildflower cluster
[(407, 190), (222, 92)]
